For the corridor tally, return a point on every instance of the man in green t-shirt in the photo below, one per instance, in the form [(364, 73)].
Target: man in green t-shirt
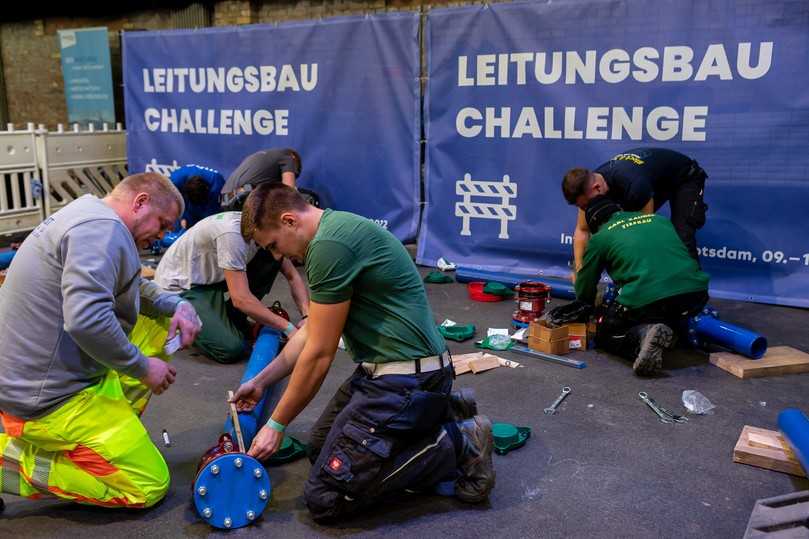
[(394, 424), (659, 283)]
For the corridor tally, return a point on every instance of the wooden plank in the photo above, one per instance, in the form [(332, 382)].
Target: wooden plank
[(777, 361), (474, 362), (234, 416), (484, 364), (777, 459), (769, 441)]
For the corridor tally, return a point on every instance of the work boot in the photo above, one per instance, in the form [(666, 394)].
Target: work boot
[(654, 339), (475, 463), (462, 404)]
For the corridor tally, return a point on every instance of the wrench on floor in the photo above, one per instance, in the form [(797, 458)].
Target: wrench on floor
[(550, 410)]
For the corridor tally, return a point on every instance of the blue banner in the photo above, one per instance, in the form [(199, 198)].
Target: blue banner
[(86, 69), (343, 92), (547, 86)]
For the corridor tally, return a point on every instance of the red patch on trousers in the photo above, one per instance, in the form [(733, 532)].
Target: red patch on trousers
[(335, 464), (90, 461), (13, 425)]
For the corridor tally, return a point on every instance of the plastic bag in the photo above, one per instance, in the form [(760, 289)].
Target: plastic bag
[(697, 403), (496, 342)]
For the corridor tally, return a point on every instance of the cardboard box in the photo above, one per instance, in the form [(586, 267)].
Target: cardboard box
[(538, 329), (558, 347), (578, 336)]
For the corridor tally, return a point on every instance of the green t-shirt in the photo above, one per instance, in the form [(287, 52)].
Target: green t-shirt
[(352, 258), (645, 258)]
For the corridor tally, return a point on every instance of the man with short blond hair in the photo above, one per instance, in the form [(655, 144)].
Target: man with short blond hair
[(82, 350)]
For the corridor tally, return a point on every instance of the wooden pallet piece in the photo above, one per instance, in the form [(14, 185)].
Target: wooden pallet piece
[(484, 364), (766, 449), (778, 360), (475, 362)]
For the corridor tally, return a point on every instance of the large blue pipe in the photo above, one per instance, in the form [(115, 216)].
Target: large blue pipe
[(171, 237), (264, 351), (707, 328), (5, 259), (560, 288), (795, 427)]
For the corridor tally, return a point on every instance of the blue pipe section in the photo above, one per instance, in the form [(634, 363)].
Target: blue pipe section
[(559, 288), (171, 237), (264, 351), (5, 259), (707, 328), (794, 425)]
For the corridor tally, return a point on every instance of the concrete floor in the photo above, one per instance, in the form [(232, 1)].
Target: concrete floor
[(602, 467)]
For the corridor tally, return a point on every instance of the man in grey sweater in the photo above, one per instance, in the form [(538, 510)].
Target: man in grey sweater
[(81, 332)]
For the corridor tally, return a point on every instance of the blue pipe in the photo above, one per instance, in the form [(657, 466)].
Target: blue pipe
[(171, 237), (795, 427), (5, 259), (559, 288), (707, 328), (264, 351)]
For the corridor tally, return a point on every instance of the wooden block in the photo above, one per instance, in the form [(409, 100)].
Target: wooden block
[(484, 364), (770, 458), (474, 362), (772, 440), (465, 358), (777, 361)]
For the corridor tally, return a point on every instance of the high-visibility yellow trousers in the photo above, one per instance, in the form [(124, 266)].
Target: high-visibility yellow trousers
[(93, 449)]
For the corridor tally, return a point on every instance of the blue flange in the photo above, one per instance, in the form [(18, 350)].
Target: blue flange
[(232, 491)]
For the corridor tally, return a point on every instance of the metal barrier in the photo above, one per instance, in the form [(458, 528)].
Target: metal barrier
[(63, 164), (20, 206), (77, 162)]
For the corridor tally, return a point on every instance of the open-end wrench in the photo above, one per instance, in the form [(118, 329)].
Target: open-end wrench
[(552, 408), (664, 415)]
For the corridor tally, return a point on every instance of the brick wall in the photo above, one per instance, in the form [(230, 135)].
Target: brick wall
[(32, 66)]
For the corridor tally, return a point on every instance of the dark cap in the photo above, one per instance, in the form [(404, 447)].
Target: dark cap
[(599, 210)]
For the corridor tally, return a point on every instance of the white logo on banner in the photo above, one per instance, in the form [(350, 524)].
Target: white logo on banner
[(467, 209), (165, 170)]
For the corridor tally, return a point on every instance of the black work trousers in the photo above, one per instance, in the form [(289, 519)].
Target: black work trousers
[(378, 437), (688, 208), (621, 330)]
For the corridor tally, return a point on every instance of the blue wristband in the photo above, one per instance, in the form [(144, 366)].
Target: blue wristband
[(275, 425), (290, 328)]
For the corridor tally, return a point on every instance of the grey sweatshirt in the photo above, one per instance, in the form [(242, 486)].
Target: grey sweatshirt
[(71, 297)]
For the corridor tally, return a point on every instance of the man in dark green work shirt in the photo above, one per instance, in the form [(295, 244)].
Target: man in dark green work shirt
[(394, 424), (658, 283)]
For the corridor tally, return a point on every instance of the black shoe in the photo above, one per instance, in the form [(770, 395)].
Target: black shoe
[(2, 505), (655, 339), (462, 404), (475, 465)]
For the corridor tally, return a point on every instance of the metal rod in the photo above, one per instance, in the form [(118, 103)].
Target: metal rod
[(524, 350)]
